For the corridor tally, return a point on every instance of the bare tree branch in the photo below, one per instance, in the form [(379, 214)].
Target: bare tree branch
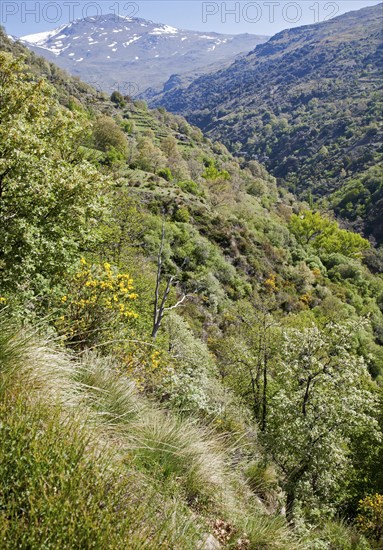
[(160, 303)]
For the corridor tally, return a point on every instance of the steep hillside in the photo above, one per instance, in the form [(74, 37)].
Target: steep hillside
[(134, 55), (189, 357), (308, 104)]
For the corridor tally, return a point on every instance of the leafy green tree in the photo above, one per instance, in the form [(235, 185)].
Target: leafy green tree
[(309, 225), (48, 192), (321, 398), (108, 135), (169, 146), (118, 99), (325, 235), (213, 173), (247, 351), (150, 158)]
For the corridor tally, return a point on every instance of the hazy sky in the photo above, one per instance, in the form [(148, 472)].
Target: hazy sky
[(256, 17)]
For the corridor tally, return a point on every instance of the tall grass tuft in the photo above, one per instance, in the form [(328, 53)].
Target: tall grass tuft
[(27, 361), (178, 450), (158, 442), (334, 534), (110, 396)]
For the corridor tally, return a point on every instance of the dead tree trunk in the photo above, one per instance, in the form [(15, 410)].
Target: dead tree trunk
[(160, 303)]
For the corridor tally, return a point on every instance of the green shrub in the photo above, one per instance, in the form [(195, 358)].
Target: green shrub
[(118, 99), (370, 517), (189, 186), (182, 215), (107, 134), (165, 173)]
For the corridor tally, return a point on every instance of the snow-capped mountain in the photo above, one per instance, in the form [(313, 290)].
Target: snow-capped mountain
[(133, 54)]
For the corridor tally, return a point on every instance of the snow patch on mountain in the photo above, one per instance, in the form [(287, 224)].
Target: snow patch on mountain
[(40, 38), (164, 29), (128, 42)]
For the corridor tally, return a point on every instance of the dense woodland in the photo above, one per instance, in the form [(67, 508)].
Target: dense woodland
[(190, 357), (308, 105)]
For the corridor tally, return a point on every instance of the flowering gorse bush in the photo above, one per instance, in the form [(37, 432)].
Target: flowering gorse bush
[(370, 516), (141, 362), (96, 304)]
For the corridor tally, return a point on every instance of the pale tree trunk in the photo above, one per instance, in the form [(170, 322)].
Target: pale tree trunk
[(160, 303)]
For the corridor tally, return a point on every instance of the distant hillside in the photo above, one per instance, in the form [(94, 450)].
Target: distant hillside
[(308, 104), (135, 55)]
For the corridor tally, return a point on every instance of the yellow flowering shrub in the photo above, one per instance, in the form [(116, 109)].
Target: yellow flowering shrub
[(271, 283), (97, 301), (142, 363), (305, 299), (370, 516)]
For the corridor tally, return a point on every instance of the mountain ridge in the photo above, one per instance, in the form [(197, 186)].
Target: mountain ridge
[(110, 51)]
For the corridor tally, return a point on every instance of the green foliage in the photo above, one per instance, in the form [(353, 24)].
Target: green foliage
[(188, 379), (141, 104), (320, 400), (108, 135), (361, 198), (241, 278), (213, 173), (190, 187), (165, 173), (325, 235), (150, 157), (79, 442), (118, 99), (182, 215), (317, 130), (63, 497), (48, 193)]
